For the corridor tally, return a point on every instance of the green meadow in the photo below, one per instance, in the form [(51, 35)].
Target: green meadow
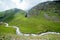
[(44, 17), (34, 24), (4, 29)]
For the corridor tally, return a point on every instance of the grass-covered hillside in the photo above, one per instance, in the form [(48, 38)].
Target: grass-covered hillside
[(6, 30), (48, 15), (15, 37), (42, 18)]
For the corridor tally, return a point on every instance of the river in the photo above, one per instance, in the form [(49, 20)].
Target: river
[(18, 31)]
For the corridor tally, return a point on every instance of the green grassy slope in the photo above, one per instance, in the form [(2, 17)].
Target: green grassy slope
[(40, 20), (4, 29), (37, 22), (34, 24), (45, 37)]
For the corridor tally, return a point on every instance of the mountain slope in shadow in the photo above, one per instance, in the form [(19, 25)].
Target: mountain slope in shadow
[(8, 15)]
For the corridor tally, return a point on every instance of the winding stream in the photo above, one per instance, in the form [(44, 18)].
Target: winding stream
[(18, 32)]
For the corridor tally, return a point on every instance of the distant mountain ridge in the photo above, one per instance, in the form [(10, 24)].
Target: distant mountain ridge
[(9, 13), (46, 6)]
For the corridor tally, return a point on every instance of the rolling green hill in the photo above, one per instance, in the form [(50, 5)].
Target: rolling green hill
[(6, 30), (43, 18)]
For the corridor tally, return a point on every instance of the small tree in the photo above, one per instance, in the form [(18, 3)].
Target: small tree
[(26, 15)]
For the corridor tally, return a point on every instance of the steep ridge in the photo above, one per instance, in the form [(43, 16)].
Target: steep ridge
[(51, 8)]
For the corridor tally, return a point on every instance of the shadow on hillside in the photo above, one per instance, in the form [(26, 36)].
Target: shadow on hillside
[(7, 18)]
